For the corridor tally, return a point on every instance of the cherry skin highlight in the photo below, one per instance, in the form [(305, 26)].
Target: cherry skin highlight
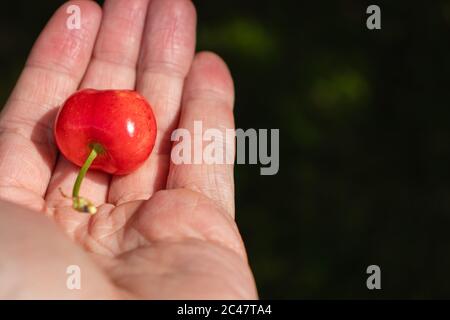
[(109, 130)]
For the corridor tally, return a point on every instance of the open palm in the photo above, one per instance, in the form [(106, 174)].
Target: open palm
[(163, 231)]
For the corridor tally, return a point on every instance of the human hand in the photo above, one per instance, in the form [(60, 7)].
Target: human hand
[(163, 231)]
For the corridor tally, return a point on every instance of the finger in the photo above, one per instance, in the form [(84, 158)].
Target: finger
[(113, 66), (53, 70), (208, 99), (167, 50)]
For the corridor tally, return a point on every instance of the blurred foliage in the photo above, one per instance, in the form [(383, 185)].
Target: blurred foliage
[(363, 115)]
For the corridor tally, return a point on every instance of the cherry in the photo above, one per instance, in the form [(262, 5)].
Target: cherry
[(109, 130)]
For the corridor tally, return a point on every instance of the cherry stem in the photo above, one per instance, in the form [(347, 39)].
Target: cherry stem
[(79, 203)]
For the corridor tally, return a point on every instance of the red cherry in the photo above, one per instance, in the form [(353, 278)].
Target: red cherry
[(109, 130)]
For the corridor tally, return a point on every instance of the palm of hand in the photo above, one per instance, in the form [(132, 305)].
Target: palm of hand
[(180, 243)]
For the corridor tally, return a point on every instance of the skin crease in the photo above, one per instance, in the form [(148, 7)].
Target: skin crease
[(121, 121), (162, 231)]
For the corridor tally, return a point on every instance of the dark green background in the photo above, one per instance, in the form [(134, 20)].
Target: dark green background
[(364, 127)]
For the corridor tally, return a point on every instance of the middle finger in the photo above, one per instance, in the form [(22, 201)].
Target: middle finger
[(167, 51), (112, 66)]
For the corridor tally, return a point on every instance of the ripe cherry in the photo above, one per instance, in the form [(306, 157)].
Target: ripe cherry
[(109, 130)]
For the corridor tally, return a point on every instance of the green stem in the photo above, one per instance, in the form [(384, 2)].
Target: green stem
[(79, 203), (82, 173)]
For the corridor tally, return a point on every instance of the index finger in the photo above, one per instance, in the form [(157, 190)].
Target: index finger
[(53, 71)]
